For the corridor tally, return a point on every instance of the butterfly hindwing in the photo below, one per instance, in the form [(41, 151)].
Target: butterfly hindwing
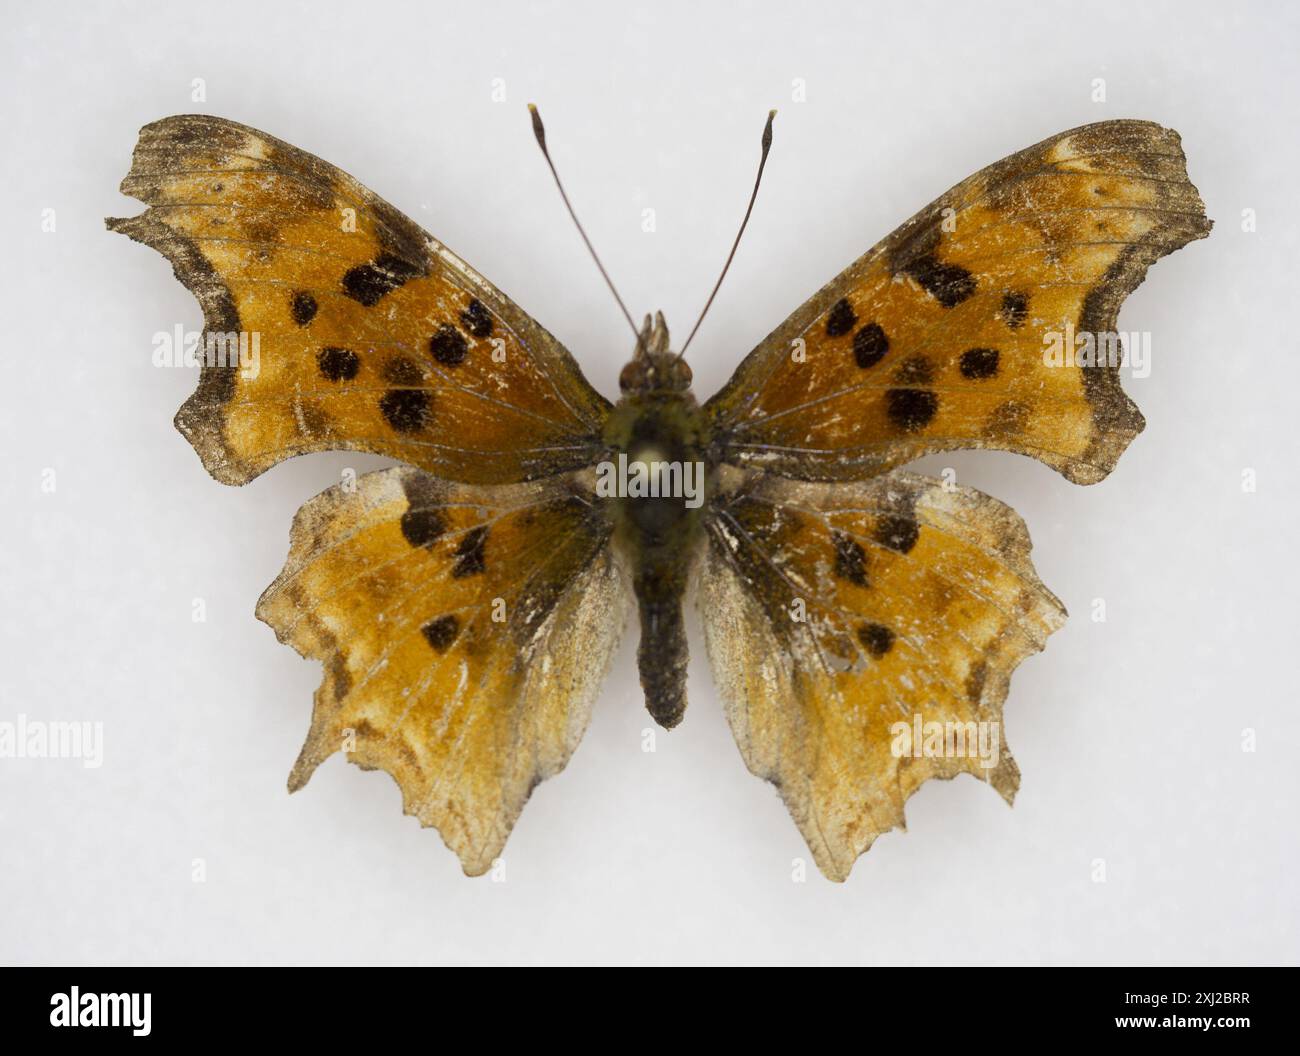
[(369, 334), (943, 335), (464, 631), (834, 612)]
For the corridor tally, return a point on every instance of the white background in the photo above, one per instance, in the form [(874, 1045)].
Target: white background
[(1128, 732)]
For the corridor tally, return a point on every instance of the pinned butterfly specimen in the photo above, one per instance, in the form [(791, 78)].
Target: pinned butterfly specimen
[(466, 604)]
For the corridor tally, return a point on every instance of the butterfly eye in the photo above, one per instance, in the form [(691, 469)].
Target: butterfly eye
[(680, 375), (631, 377)]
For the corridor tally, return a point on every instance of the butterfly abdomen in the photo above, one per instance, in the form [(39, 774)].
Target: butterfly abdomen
[(657, 480)]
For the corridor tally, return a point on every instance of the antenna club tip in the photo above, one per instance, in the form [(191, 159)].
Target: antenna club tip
[(532, 108)]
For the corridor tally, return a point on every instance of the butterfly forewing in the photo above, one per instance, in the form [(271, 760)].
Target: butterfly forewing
[(984, 321), (369, 334)]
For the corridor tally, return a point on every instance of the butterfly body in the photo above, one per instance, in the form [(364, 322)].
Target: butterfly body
[(862, 621), (658, 423)]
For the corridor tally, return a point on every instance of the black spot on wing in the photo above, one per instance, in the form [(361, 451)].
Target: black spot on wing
[(303, 307), (896, 531), (469, 554), (338, 364), (979, 363), (949, 284), (448, 346), (876, 638), (406, 410), (477, 319), (367, 283), (911, 409), (850, 559), (841, 318), (440, 633), (422, 527), (1015, 309), (870, 345)]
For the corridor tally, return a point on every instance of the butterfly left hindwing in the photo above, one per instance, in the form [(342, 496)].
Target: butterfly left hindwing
[(464, 632)]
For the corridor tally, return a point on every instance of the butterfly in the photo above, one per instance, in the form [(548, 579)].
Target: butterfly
[(862, 621)]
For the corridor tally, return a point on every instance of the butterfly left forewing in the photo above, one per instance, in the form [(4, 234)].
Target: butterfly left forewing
[(370, 334), (945, 335), (464, 631), (835, 612)]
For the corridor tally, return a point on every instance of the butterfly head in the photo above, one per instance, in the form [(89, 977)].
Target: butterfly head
[(654, 367)]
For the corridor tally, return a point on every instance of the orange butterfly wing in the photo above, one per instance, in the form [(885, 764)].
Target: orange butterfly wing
[(941, 336), (371, 335), (464, 632), (835, 612)]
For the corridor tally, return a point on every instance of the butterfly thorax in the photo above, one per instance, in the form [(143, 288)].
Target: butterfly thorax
[(657, 482)]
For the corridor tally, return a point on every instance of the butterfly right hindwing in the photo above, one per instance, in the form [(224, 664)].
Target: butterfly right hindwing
[(833, 613)]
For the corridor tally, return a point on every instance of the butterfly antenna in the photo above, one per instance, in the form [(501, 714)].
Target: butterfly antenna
[(539, 131), (767, 145)]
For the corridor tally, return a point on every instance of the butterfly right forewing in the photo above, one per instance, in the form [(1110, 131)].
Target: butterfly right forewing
[(942, 336)]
